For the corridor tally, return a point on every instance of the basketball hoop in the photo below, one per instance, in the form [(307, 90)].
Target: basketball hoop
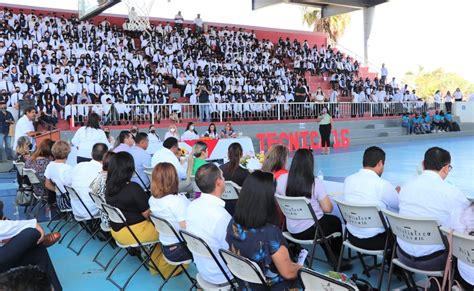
[(138, 14)]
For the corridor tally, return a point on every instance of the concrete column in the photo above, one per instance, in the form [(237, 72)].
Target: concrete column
[(368, 19)]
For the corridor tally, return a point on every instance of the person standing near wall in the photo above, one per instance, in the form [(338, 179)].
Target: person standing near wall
[(325, 126)]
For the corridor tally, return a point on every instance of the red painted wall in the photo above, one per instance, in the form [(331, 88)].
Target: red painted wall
[(261, 32)]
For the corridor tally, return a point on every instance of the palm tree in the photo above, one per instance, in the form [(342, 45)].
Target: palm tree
[(334, 26)]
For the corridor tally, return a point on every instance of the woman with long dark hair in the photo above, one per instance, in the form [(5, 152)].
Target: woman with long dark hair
[(253, 233), (301, 182), (132, 200), (87, 136), (232, 170)]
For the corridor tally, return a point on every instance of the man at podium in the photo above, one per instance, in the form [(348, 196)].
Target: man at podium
[(24, 125)]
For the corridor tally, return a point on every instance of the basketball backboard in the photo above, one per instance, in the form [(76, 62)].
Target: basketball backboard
[(91, 8)]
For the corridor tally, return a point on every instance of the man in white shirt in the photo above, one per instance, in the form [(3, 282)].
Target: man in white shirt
[(80, 178), (169, 154), (198, 23), (367, 185), (429, 195), (24, 125), (383, 74), (207, 218)]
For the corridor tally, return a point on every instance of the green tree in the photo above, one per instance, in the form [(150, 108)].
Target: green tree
[(333, 26), (427, 83)]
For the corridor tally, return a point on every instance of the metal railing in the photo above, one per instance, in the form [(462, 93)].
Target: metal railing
[(222, 112)]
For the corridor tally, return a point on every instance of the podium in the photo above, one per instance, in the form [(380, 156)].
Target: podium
[(54, 135)]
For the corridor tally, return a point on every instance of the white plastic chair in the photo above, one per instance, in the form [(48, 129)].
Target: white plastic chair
[(200, 248), (231, 191), (462, 246), (82, 221), (164, 227), (312, 280), (363, 216), (404, 228), (116, 216), (299, 208), (243, 268)]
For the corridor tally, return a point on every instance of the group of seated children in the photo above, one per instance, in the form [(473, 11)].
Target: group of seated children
[(426, 123)]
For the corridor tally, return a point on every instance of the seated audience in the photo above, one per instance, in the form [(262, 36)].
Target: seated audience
[(275, 162), (153, 136), (170, 153), (38, 161), (367, 186), (190, 133), (124, 142), (80, 178), (462, 220), (23, 243), (228, 131), (87, 136), (407, 123), (141, 158), (22, 154), (207, 218), (211, 132), (232, 170), (253, 233), (168, 204), (429, 195), (301, 182), (132, 200), (55, 173), (172, 132), (197, 158)]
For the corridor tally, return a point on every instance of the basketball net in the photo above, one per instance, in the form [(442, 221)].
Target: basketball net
[(138, 14)]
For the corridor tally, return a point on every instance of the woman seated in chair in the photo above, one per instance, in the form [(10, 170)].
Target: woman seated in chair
[(132, 200), (462, 220), (253, 233), (23, 147), (38, 161), (300, 182), (168, 204)]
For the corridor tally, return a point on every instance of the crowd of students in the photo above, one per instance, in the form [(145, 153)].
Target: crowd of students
[(425, 123), (249, 226)]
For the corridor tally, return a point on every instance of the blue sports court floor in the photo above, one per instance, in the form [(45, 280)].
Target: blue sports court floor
[(403, 160)]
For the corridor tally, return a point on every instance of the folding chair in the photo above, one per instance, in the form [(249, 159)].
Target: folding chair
[(23, 187), (299, 208), (312, 280), (62, 210), (231, 191), (164, 227), (116, 216), (148, 173), (416, 231), (98, 201), (38, 202), (363, 216), (243, 268), (462, 247), (145, 186), (82, 221), (200, 248)]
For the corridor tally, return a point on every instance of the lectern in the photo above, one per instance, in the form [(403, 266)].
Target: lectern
[(54, 135)]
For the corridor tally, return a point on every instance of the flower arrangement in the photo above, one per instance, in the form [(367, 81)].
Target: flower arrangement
[(183, 152), (258, 157), (244, 160)]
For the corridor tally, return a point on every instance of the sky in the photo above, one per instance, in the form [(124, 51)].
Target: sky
[(405, 34)]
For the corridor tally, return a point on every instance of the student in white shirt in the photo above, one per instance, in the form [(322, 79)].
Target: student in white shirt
[(429, 195), (87, 136), (207, 218), (166, 203), (367, 185), (24, 125), (462, 220), (172, 132)]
